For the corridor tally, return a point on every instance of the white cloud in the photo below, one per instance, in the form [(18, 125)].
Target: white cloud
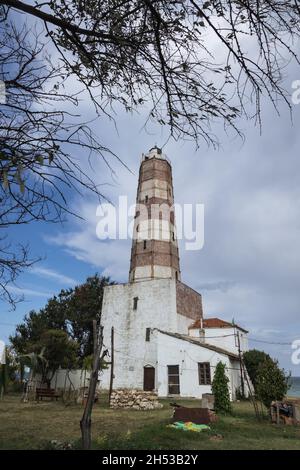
[(55, 275), (110, 257), (29, 292)]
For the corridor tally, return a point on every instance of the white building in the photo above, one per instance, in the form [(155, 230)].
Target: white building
[(161, 341)]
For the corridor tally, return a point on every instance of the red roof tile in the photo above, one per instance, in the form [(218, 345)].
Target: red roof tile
[(214, 323)]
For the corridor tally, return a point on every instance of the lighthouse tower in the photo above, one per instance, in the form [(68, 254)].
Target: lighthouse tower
[(153, 325), (154, 299), (154, 253)]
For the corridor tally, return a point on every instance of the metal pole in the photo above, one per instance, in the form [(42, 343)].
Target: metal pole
[(241, 366), (112, 363)]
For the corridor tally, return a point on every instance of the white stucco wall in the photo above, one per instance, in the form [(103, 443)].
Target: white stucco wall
[(156, 309), (183, 324), (155, 229), (173, 351), (225, 338), (74, 379), (146, 272)]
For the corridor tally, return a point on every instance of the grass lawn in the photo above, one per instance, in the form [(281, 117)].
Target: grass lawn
[(32, 425)]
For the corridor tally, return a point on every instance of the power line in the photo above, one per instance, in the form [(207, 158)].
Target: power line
[(270, 342), (226, 336), (206, 337)]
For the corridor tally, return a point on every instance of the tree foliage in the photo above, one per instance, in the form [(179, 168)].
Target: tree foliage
[(72, 313), (252, 359), (272, 383), (59, 351), (188, 64), (164, 54), (220, 389), (40, 144)]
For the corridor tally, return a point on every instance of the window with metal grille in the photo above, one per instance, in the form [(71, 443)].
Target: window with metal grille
[(173, 380), (204, 373), (148, 330), (135, 303)]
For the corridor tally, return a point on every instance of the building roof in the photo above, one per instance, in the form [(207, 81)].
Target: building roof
[(215, 323), (196, 341)]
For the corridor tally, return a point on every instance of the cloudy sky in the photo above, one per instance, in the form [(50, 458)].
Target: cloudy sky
[(249, 266)]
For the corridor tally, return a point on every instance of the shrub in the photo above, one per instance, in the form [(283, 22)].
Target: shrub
[(272, 383), (252, 360), (220, 390)]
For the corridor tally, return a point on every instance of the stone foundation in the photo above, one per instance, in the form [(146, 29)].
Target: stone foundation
[(134, 399)]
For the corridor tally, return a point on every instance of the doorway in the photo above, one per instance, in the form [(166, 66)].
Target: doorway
[(149, 378)]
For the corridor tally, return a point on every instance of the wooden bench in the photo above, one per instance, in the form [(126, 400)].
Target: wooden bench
[(47, 393)]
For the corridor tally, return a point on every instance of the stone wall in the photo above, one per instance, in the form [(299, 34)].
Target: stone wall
[(189, 302), (134, 399)]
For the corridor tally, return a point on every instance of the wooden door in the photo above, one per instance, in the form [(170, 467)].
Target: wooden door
[(149, 378)]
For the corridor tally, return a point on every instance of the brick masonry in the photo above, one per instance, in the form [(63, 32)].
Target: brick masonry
[(154, 252), (188, 301)]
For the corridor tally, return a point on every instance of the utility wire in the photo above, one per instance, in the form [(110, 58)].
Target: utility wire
[(226, 336), (270, 342)]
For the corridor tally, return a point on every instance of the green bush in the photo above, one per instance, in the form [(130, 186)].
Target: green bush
[(220, 390), (252, 360), (272, 383)]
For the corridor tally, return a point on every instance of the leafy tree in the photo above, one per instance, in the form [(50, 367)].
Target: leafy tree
[(59, 350), (72, 312), (272, 383), (82, 306), (252, 359), (35, 360), (187, 63), (39, 143), (33, 326), (220, 389), (8, 370)]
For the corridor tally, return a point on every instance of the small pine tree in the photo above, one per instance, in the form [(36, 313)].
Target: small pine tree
[(220, 390)]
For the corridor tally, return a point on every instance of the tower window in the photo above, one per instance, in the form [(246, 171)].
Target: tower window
[(176, 275), (137, 228), (145, 244), (148, 330), (135, 303), (173, 236), (146, 198)]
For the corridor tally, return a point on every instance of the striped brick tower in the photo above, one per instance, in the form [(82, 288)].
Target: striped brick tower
[(154, 253)]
